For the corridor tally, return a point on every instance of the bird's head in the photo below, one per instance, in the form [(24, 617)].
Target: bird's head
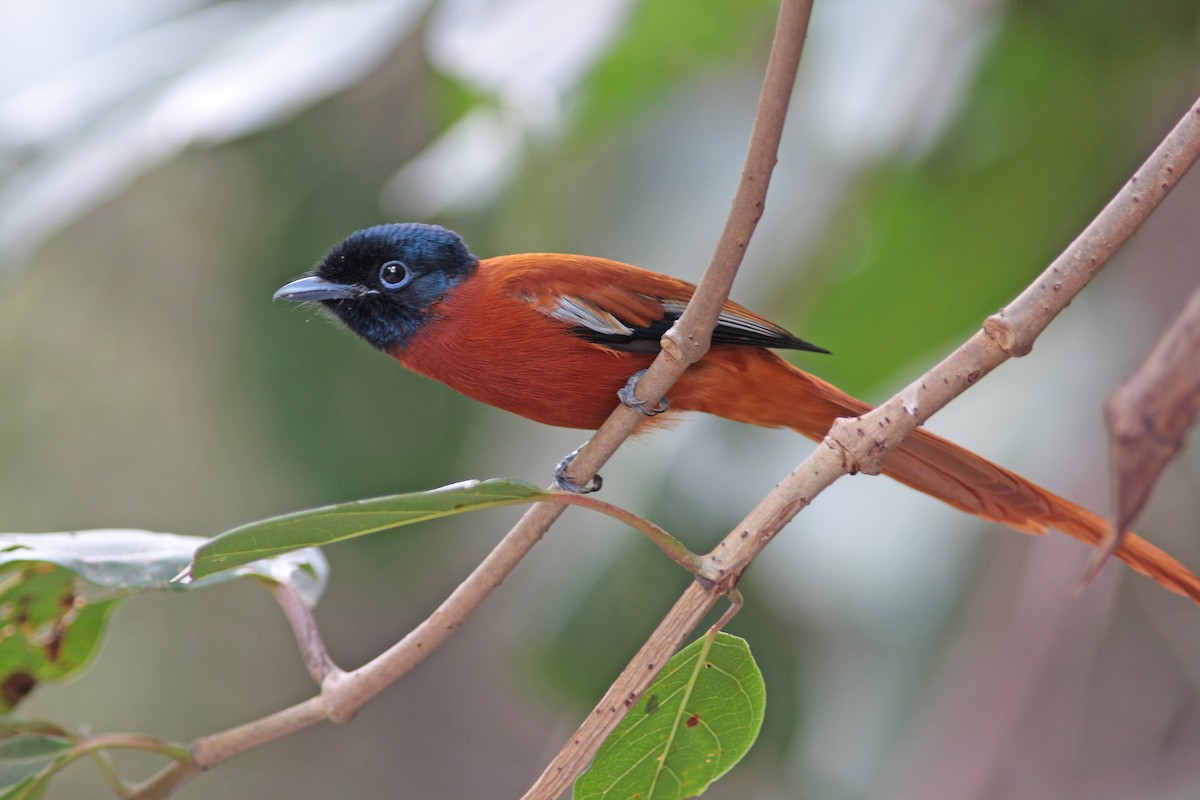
[(382, 281)]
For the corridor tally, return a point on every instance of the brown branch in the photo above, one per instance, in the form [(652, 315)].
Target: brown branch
[(667, 638), (343, 693), (304, 626), (684, 344), (688, 339), (862, 443)]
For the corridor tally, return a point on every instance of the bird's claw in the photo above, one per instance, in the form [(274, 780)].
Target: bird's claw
[(566, 484), (626, 394)]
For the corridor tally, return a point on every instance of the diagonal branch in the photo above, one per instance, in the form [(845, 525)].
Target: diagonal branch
[(861, 444), (688, 339)]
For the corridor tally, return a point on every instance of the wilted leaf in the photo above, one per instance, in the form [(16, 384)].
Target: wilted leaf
[(1149, 416)]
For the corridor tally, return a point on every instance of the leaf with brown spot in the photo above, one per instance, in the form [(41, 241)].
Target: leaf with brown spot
[(51, 629), (691, 726)]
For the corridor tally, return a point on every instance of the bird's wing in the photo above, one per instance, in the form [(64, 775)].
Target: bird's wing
[(625, 307)]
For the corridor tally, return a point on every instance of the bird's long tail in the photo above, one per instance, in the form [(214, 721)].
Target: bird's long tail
[(773, 393)]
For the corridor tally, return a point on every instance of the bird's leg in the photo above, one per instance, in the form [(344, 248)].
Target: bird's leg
[(566, 484), (626, 394)]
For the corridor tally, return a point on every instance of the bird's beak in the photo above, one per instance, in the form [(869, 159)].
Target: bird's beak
[(313, 288)]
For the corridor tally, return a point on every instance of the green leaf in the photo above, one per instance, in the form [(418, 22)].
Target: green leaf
[(690, 727), (29, 788), (48, 628), (133, 559), (320, 526), (22, 757)]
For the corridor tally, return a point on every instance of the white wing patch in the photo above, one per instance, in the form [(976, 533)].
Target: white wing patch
[(584, 314), (732, 320)]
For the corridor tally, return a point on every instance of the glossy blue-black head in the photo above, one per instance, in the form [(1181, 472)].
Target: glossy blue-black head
[(382, 281)]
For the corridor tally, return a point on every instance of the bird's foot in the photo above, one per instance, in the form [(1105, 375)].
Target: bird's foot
[(566, 484), (626, 395)]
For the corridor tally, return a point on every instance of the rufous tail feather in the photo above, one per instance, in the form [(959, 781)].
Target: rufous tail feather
[(776, 394)]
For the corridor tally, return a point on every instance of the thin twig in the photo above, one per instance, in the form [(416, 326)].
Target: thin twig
[(688, 339), (343, 693), (304, 626), (672, 547), (683, 345)]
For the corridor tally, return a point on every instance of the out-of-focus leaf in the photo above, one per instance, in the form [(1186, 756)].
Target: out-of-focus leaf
[(22, 757), (31, 753), (212, 74), (926, 251), (48, 628), (319, 526), (133, 559), (691, 726)]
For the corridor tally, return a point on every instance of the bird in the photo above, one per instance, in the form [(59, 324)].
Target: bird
[(556, 338)]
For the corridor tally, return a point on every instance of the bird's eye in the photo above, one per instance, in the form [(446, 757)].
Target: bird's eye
[(394, 275)]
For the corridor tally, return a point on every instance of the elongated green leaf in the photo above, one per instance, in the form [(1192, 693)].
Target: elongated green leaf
[(23, 756), (133, 559), (320, 526), (690, 727)]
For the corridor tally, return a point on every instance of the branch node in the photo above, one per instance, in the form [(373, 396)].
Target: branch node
[(680, 348), (338, 697), (1004, 334), (716, 579), (860, 451)]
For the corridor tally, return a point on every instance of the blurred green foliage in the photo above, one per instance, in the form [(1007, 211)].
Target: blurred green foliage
[(147, 380), (668, 43), (1053, 124)]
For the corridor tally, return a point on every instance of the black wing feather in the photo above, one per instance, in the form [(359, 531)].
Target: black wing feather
[(731, 329)]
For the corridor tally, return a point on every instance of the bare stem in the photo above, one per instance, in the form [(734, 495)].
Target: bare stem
[(304, 625), (674, 548), (688, 339), (683, 345)]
